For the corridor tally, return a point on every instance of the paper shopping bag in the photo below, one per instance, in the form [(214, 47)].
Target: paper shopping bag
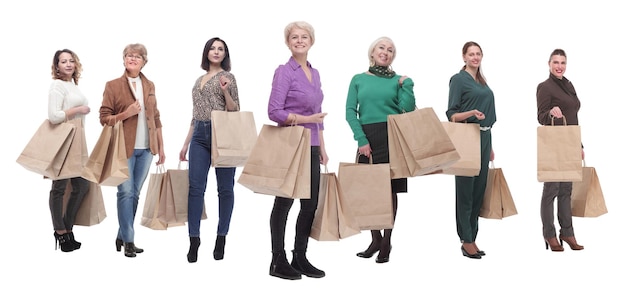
[(91, 210), (149, 217), (45, 152), (466, 140), (559, 153), (77, 155), (498, 201), (115, 170), (280, 162), (108, 165), (326, 222), (424, 143), (179, 184), (233, 135), (587, 196), (367, 190)]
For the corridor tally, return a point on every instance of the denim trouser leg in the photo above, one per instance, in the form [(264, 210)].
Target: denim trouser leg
[(199, 165), (128, 193), (225, 193)]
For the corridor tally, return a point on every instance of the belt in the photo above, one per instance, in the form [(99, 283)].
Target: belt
[(485, 128)]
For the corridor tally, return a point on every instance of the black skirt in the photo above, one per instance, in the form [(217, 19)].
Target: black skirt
[(376, 134)]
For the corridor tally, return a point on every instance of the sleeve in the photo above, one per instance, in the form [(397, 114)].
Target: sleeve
[(56, 97), (544, 104), (276, 106), (407, 96), (352, 113), (157, 113), (107, 109), (234, 91), (454, 96)]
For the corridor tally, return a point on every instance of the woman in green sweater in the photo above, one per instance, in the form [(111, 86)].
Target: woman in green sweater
[(372, 96), (471, 100)]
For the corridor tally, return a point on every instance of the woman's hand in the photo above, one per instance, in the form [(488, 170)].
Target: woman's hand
[(365, 150), (224, 83), (556, 112), (133, 109), (315, 118), (401, 80), (492, 156), (478, 114)]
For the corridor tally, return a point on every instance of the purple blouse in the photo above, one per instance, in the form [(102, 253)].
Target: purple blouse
[(293, 93)]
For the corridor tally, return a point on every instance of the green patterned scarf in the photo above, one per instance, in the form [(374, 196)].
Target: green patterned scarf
[(382, 71)]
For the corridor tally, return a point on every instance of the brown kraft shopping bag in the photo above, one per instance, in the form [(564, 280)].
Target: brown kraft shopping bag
[(279, 164), (46, 150), (233, 135), (587, 197), (426, 145), (326, 222), (95, 164), (498, 202), (559, 153), (149, 217), (91, 211), (77, 155), (466, 140), (115, 170), (367, 189)]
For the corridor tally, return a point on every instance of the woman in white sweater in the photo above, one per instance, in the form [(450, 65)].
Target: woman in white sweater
[(66, 102)]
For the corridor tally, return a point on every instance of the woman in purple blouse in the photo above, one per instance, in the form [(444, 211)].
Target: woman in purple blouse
[(296, 98)]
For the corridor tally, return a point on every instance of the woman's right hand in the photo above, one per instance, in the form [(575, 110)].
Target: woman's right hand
[(365, 150), (182, 156), (556, 112), (316, 118), (478, 114), (133, 109)]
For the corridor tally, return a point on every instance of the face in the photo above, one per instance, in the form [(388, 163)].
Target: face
[(299, 41), (133, 62), (383, 53), (558, 63), (217, 52), (473, 57), (66, 65)]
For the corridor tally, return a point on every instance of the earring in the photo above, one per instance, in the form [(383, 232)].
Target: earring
[(372, 62)]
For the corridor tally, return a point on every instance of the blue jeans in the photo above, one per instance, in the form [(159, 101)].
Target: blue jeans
[(199, 165), (128, 193)]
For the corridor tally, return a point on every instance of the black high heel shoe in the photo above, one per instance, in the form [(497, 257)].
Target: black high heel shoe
[(63, 242), (471, 256), (383, 255), (119, 243), (76, 243), (372, 249), (218, 251)]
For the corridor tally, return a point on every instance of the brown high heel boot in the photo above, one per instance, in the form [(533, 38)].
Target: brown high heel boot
[(571, 241), (554, 244)]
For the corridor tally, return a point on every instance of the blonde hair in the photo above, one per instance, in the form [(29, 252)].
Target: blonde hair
[(378, 40), (302, 25), (55, 65), (137, 48)]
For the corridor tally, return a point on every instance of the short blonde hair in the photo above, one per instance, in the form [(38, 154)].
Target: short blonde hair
[(302, 25), (137, 48), (378, 40)]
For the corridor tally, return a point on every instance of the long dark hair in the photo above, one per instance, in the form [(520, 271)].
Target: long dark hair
[(55, 65), (205, 60), (479, 75)]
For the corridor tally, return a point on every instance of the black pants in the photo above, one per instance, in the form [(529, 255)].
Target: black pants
[(282, 205), (65, 220)]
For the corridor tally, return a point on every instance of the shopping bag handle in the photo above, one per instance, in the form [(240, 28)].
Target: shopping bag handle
[(552, 120), (160, 168), (180, 162), (356, 160)]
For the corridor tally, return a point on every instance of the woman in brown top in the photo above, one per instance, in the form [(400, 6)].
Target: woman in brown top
[(214, 90), (131, 99), (556, 98)]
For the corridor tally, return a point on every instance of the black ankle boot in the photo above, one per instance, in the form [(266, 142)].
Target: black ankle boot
[(280, 267), (63, 242), (129, 250), (302, 265), (194, 244), (73, 241), (218, 251)]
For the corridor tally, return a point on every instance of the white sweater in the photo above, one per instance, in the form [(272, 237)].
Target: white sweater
[(62, 96)]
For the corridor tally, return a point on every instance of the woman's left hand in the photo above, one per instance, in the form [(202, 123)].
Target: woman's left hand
[(224, 82), (492, 156), (323, 157), (401, 80)]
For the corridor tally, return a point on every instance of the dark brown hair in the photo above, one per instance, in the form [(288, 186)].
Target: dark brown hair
[(479, 75), (206, 64)]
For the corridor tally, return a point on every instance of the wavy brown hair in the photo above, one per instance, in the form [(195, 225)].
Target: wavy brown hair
[(55, 65)]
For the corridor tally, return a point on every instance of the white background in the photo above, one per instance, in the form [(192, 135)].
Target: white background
[(516, 37)]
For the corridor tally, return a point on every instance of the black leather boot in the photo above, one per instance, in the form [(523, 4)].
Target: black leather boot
[(63, 242), (194, 244), (218, 251), (302, 265), (76, 243), (129, 250), (280, 267)]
